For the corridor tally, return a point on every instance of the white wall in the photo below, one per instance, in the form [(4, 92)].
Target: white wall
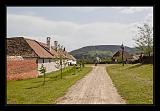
[(72, 62), (50, 66)]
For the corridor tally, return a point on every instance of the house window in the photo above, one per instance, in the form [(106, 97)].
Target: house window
[(43, 60), (49, 60)]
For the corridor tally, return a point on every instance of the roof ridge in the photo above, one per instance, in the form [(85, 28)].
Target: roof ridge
[(44, 48)]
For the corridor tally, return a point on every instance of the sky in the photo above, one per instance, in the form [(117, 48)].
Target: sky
[(76, 27)]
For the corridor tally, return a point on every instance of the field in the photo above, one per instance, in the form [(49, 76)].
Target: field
[(32, 91), (133, 82)]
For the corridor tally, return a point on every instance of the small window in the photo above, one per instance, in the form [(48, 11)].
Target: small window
[(49, 60), (43, 60)]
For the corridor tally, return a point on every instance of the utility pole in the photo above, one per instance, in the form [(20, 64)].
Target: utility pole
[(122, 47)]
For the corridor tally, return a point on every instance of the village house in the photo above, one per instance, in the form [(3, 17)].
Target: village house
[(72, 60), (37, 52), (132, 58), (128, 58)]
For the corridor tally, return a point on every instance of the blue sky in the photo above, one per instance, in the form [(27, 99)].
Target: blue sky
[(75, 27)]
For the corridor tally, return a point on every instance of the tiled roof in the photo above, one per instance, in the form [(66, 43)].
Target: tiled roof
[(125, 54), (39, 50), (62, 54), (56, 54), (73, 58), (53, 52), (69, 56)]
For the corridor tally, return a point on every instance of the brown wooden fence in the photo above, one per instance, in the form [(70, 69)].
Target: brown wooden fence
[(147, 60)]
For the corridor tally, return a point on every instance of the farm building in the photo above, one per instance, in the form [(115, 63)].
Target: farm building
[(36, 52), (128, 58), (72, 60)]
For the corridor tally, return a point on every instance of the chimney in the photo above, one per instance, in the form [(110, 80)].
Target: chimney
[(64, 49), (48, 43), (56, 45)]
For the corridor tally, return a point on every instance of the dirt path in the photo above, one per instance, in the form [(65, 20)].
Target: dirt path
[(94, 88)]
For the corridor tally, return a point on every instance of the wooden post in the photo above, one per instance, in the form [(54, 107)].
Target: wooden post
[(61, 64), (122, 58), (122, 47)]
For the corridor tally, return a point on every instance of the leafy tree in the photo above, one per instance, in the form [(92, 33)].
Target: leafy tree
[(144, 40), (43, 71)]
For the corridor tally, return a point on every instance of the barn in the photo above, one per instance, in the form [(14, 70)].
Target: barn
[(117, 57)]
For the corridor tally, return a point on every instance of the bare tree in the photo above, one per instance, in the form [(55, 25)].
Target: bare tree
[(144, 40), (60, 61)]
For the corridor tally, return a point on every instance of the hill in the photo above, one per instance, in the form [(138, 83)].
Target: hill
[(103, 51)]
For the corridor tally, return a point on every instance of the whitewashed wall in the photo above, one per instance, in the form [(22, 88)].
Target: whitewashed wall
[(50, 66), (72, 62)]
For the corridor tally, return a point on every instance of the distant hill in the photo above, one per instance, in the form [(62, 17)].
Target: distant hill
[(103, 51)]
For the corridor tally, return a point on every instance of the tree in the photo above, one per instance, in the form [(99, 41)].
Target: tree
[(60, 61), (43, 71), (144, 40), (74, 68)]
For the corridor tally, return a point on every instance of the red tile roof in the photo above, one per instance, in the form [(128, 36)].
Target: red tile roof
[(69, 56), (39, 50), (53, 52)]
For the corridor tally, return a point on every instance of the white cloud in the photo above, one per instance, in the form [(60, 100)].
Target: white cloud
[(70, 34), (81, 9), (149, 19), (130, 10)]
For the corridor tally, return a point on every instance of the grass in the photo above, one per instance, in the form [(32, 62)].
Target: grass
[(133, 82), (32, 91)]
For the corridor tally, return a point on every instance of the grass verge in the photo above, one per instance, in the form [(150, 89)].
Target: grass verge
[(32, 91), (133, 82)]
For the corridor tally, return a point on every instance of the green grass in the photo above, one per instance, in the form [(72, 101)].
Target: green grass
[(32, 91), (133, 82)]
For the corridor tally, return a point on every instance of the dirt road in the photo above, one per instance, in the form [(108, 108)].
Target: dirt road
[(95, 88)]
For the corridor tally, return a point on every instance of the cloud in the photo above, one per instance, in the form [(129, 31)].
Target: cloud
[(149, 18), (71, 35), (131, 10), (86, 9)]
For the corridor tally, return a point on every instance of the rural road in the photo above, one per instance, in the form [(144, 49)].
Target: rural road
[(95, 88)]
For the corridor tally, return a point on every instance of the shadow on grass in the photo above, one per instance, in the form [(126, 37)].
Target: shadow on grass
[(40, 83), (135, 66), (51, 78), (35, 86)]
